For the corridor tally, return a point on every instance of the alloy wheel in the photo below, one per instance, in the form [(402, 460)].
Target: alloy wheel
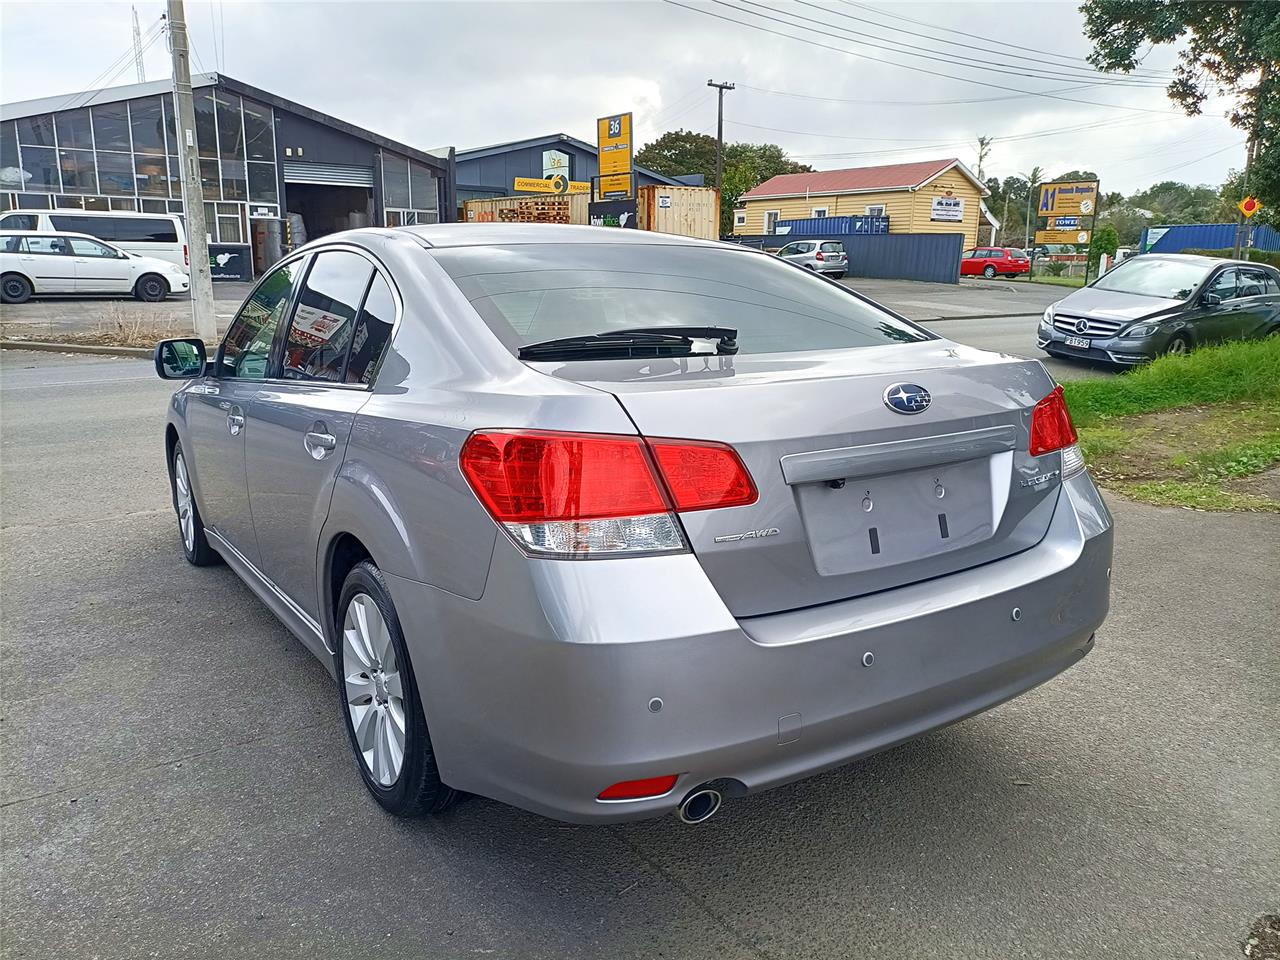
[(1178, 346), (186, 515), (374, 689)]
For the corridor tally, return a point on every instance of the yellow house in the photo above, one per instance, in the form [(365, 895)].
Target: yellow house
[(933, 196)]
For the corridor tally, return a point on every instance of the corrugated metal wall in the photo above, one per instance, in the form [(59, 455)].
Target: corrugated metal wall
[(1203, 236), (933, 257)]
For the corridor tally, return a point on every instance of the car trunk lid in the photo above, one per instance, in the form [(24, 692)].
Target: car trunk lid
[(855, 496)]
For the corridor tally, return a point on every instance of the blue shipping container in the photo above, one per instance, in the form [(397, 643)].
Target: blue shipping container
[(819, 226), (1202, 236)]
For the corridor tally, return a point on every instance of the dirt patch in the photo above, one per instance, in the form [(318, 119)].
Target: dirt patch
[(1221, 457), (1263, 939)]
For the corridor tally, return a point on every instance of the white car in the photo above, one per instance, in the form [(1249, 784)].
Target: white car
[(34, 263)]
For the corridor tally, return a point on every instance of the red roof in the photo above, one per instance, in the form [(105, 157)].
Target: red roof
[(892, 176)]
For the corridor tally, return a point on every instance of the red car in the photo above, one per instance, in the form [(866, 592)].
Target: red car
[(991, 261)]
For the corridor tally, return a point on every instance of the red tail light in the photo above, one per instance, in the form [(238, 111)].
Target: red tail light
[(636, 789), (1051, 427), (578, 494), (186, 257), (703, 475), (818, 255)]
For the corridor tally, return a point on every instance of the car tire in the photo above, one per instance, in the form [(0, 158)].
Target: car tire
[(838, 276), (1178, 344), (373, 667), (989, 271), (195, 545), (151, 287), (15, 288), (810, 267)]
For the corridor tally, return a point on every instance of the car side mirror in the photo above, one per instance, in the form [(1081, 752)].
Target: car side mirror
[(180, 359), (1211, 299)]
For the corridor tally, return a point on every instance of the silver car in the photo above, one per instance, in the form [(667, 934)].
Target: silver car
[(1163, 303), (607, 524), (820, 256)]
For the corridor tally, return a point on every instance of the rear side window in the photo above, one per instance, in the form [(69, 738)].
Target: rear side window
[(324, 318), (373, 331), (246, 349), (1256, 283), (54, 245), (20, 221), (804, 247), (527, 293), (144, 230), (101, 227)]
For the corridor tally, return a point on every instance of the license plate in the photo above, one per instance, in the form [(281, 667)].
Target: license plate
[(1081, 342)]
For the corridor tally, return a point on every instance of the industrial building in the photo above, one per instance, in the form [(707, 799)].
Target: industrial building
[(491, 171), (275, 173)]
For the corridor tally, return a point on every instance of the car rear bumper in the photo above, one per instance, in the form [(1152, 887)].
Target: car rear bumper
[(544, 691)]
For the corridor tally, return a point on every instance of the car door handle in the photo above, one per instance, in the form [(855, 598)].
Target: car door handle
[(235, 421), (318, 444)]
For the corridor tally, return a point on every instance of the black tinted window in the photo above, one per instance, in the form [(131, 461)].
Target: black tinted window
[(246, 349), (104, 228), (372, 333), (325, 316), (532, 292), (142, 229), (19, 221)]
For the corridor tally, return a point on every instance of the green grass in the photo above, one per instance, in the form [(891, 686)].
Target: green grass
[(1234, 371), (1059, 281), (1186, 431)]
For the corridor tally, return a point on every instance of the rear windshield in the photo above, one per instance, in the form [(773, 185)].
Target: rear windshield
[(832, 246), (528, 293), (1017, 254)]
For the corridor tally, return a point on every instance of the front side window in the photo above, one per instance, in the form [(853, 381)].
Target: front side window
[(325, 316), (19, 221), (1224, 285), (83, 247), (246, 349), (529, 293)]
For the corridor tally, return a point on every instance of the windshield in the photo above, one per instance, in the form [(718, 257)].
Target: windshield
[(1155, 277), (528, 293)]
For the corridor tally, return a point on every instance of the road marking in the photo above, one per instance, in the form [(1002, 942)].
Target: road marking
[(68, 383)]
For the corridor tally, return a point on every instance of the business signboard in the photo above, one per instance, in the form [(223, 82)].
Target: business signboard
[(1062, 236), (555, 163), (948, 208), (618, 186), (230, 262), (613, 141), (613, 213), (1069, 198), (556, 184)]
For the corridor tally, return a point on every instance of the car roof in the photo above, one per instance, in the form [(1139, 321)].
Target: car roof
[(501, 234)]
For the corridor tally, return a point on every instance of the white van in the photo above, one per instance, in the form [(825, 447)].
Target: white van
[(158, 235)]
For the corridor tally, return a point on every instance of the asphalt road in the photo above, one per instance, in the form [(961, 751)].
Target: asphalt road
[(176, 781)]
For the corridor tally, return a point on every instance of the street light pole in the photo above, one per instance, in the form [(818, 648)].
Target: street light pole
[(203, 320), (722, 87)]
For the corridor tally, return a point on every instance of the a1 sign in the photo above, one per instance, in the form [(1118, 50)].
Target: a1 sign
[(1249, 206)]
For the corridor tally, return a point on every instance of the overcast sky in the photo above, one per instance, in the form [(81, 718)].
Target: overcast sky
[(476, 72)]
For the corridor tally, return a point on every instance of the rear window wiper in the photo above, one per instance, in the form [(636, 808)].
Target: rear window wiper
[(634, 342)]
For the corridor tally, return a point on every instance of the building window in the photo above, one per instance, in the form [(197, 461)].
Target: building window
[(111, 127), (259, 134), (395, 181), (152, 176), (9, 156), (234, 186), (36, 131), (40, 169), (78, 171), (875, 210), (771, 220), (818, 212), (423, 193), (73, 130), (146, 120), (116, 174), (206, 123), (124, 203), (209, 180), (33, 201), (69, 203), (262, 182), (740, 218), (230, 130)]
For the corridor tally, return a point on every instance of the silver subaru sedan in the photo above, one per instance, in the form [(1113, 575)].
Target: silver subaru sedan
[(608, 524)]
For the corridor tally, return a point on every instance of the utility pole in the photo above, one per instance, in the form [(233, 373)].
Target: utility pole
[(202, 319), (1250, 148), (722, 87)]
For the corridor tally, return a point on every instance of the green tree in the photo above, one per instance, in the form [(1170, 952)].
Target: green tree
[(1228, 47), (678, 153), (1104, 240)]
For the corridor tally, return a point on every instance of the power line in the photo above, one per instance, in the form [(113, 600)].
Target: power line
[(1189, 163), (1051, 72), (916, 69), (113, 69), (976, 36), (907, 103), (997, 138)]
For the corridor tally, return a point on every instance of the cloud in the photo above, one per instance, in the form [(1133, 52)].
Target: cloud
[(472, 73)]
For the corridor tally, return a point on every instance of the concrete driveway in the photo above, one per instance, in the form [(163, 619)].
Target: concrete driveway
[(177, 783)]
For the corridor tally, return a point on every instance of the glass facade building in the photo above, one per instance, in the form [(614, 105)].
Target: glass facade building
[(124, 156)]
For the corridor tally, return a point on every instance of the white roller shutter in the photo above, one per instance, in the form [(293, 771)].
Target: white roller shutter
[(330, 174)]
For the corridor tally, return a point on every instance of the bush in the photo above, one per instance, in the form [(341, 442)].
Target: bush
[(1055, 268), (1271, 257)]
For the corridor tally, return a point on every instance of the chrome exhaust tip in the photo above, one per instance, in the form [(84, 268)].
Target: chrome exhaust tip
[(700, 805)]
